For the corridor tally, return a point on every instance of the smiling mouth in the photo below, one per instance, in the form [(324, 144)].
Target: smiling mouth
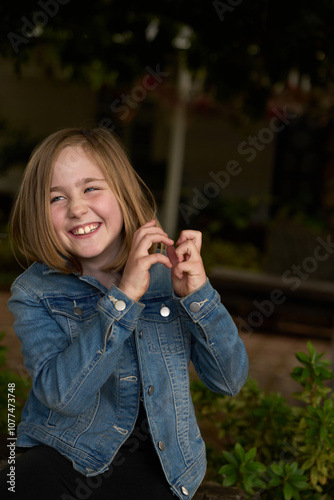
[(90, 228)]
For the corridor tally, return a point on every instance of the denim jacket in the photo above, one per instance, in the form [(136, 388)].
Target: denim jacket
[(91, 351)]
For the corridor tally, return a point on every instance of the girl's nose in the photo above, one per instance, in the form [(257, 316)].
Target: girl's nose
[(77, 208)]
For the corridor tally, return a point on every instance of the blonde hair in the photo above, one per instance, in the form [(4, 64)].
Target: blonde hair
[(31, 225)]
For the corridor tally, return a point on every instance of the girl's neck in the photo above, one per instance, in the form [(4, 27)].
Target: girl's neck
[(106, 278)]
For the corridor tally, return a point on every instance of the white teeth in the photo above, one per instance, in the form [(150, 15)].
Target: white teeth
[(86, 230)]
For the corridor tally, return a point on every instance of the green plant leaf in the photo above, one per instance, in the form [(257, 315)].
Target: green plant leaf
[(227, 469), (328, 405), (277, 468), (239, 452), (302, 357), (288, 491), (309, 463), (231, 478), (299, 484), (275, 481), (248, 484), (311, 349), (292, 468), (323, 432), (256, 467), (230, 457), (250, 455), (314, 475), (258, 483)]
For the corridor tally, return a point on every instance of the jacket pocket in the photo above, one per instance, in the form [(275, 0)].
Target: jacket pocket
[(71, 428), (78, 307), (161, 327), (72, 312)]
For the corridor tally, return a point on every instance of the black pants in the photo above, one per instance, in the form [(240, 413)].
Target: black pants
[(42, 473)]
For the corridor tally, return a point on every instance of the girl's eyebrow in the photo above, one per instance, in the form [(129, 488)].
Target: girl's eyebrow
[(82, 182)]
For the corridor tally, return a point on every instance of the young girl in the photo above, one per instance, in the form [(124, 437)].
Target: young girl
[(109, 316)]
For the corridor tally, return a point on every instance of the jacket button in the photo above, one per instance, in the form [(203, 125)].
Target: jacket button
[(151, 390), (140, 334), (161, 446), (195, 307), (184, 491), (120, 305), (165, 311), (78, 311)]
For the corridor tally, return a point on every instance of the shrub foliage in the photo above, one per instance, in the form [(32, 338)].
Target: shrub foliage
[(272, 449)]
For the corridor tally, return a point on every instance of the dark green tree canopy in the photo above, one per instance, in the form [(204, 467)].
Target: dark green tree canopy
[(240, 46)]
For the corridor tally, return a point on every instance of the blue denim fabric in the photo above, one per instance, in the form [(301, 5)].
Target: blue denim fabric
[(89, 361)]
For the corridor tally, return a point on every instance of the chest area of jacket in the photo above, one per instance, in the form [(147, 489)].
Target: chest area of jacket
[(160, 327)]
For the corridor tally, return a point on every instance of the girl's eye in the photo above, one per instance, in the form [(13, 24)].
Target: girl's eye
[(90, 189), (56, 198)]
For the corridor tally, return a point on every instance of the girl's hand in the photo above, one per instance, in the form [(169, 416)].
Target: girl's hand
[(136, 277), (188, 273)]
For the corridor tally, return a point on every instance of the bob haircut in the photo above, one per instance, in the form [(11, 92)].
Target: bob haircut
[(31, 225)]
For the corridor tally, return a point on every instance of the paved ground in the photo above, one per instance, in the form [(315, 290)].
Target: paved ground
[(271, 356)]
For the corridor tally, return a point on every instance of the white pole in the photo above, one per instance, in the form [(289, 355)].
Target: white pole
[(175, 159)]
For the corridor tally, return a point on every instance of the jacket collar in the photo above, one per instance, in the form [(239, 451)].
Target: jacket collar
[(50, 270), (160, 280)]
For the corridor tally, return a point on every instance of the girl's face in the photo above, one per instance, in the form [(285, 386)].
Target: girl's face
[(85, 213)]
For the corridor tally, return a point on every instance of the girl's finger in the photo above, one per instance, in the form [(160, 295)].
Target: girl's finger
[(172, 255), (187, 250), (189, 234), (145, 243), (148, 229)]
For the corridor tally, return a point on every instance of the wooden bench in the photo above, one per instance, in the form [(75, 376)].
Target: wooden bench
[(262, 301), (213, 491)]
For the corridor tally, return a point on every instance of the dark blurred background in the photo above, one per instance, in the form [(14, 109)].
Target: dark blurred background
[(225, 107), (226, 110)]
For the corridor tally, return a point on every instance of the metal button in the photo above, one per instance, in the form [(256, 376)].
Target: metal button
[(195, 307), (151, 390), (78, 311), (120, 305), (140, 334), (184, 491), (161, 446), (165, 311)]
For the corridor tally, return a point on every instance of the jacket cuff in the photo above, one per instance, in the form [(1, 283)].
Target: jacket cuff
[(200, 302), (120, 307)]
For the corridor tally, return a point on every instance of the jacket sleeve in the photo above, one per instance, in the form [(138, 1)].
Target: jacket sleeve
[(66, 375), (218, 353)]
